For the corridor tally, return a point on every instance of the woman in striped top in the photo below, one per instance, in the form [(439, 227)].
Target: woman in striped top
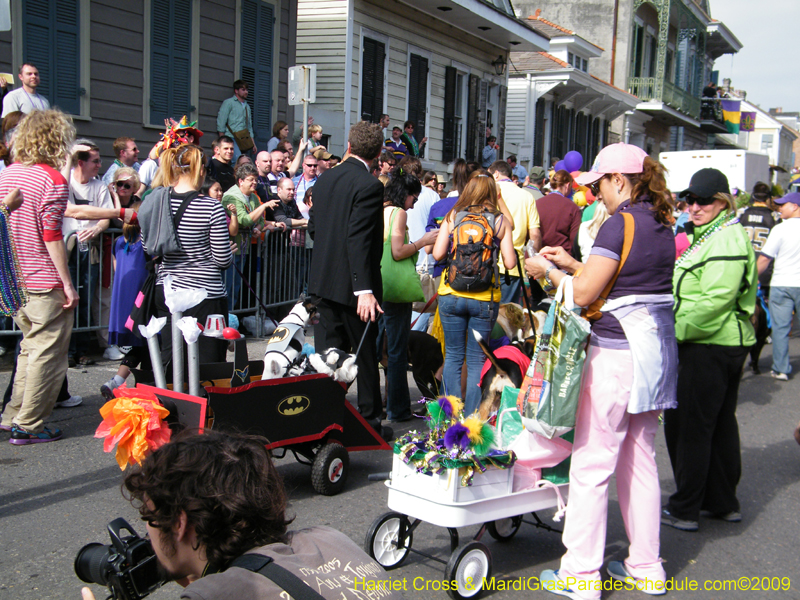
[(203, 232)]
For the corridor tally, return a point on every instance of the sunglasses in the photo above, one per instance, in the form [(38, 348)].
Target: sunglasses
[(123, 184), (690, 199)]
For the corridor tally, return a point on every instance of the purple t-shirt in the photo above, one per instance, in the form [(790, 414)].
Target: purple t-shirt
[(648, 269), (438, 211)]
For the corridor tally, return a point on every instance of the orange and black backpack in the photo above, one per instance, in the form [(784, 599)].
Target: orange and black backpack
[(472, 265)]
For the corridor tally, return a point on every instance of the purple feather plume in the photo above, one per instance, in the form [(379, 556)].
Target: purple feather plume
[(447, 408), (456, 436)]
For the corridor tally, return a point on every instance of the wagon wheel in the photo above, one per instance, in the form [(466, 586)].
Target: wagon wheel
[(329, 469), (383, 540), (504, 529), (468, 566)]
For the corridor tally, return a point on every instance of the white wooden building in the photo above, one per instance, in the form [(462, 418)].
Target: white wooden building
[(555, 104), (430, 63)]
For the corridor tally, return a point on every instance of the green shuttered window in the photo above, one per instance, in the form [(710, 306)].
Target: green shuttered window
[(170, 60), (50, 41), (257, 27)]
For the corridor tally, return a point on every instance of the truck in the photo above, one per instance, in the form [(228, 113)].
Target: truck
[(742, 168)]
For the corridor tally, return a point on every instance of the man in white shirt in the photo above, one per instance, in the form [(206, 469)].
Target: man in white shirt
[(85, 189), (25, 99), (783, 246)]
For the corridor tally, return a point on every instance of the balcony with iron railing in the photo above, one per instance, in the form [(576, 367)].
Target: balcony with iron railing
[(649, 89)]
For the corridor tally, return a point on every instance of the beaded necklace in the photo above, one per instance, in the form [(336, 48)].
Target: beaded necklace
[(721, 224), (13, 293)]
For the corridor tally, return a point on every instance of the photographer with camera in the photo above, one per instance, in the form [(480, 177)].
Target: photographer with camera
[(215, 511)]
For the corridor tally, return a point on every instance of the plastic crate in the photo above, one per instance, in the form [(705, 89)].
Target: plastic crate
[(446, 487)]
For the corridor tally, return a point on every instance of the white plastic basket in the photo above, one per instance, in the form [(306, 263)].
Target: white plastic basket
[(446, 487)]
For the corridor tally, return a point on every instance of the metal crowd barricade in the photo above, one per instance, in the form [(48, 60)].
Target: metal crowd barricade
[(98, 303), (274, 273)]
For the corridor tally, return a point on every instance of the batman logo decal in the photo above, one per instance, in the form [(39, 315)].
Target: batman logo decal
[(293, 405), (280, 334)]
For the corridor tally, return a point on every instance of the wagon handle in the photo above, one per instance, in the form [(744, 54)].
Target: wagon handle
[(379, 476)]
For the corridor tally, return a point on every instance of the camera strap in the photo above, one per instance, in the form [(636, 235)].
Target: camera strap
[(283, 578)]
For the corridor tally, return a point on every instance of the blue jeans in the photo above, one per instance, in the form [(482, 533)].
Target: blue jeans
[(510, 292), (459, 317), (394, 325), (782, 301), (85, 283), (233, 281)]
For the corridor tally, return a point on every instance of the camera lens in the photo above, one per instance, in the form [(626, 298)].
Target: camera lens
[(91, 564)]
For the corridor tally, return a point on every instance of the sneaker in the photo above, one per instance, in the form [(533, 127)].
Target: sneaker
[(551, 582), (70, 402), (5, 427), (125, 349), (673, 521), (616, 570), (21, 437), (731, 517), (85, 360), (107, 389), (113, 353), (779, 376)]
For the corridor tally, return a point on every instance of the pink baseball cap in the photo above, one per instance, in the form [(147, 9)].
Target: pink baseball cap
[(614, 158)]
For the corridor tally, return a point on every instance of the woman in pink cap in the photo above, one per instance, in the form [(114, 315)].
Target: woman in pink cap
[(629, 376)]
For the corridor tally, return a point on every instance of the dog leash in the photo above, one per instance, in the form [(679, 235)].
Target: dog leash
[(250, 287), (424, 309)]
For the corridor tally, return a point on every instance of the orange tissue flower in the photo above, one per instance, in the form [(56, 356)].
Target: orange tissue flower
[(135, 425)]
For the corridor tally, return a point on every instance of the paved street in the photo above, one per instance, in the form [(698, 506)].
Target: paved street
[(54, 498)]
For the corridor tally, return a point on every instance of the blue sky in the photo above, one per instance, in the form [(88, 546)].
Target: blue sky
[(764, 67)]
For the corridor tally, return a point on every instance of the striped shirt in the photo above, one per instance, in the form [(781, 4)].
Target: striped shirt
[(203, 232), (38, 220)]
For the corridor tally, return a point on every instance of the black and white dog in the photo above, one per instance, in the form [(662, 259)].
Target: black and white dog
[(335, 363), (286, 342)]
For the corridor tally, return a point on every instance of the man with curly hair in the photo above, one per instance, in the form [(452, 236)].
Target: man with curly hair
[(41, 146), (208, 499)]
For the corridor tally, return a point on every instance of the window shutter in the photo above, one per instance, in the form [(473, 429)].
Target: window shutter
[(50, 41), (501, 119), (418, 94), (473, 148), (66, 74), (374, 55), (449, 140), (538, 134), (480, 139), (181, 58), (170, 59), (258, 30)]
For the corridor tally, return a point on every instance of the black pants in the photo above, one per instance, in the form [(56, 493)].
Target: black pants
[(339, 327), (702, 433), (210, 349)]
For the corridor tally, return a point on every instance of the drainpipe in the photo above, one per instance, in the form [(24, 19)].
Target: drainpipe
[(627, 131), (614, 41)]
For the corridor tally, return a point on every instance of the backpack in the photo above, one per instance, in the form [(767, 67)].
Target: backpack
[(472, 265)]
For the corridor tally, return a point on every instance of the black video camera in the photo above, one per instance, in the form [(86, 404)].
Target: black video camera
[(128, 566)]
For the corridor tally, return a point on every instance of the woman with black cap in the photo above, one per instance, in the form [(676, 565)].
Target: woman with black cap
[(715, 295)]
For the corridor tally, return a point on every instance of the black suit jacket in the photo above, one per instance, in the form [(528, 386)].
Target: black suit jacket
[(346, 224)]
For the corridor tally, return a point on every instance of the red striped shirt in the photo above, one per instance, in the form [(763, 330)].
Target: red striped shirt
[(38, 220)]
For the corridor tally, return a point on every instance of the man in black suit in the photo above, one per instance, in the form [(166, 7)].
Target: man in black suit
[(346, 224)]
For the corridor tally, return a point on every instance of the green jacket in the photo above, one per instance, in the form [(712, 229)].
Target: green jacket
[(244, 206), (715, 288)]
